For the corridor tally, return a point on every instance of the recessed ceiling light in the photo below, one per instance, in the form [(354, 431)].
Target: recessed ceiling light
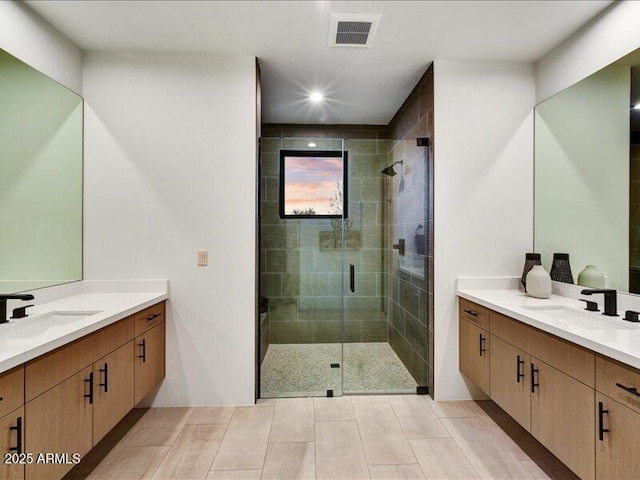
[(636, 106), (312, 144), (316, 97)]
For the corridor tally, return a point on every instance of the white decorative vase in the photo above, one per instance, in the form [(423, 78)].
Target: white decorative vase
[(591, 277), (538, 282)]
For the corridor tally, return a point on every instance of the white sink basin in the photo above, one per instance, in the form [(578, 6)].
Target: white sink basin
[(566, 316), (19, 331)]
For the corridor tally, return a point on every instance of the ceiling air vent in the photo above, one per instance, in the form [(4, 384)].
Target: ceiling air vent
[(353, 29)]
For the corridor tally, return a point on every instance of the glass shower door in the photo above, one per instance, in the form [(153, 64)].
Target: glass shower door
[(302, 219), (385, 332)]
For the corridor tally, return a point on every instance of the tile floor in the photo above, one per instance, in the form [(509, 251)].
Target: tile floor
[(359, 437)]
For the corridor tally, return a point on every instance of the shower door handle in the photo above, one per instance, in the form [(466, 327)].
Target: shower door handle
[(352, 278)]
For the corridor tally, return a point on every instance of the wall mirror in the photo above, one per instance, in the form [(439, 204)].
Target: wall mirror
[(41, 179), (587, 174)]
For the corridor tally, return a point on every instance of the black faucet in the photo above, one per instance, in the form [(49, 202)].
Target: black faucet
[(610, 300), (3, 304)]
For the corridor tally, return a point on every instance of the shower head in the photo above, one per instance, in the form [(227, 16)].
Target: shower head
[(389, 170)]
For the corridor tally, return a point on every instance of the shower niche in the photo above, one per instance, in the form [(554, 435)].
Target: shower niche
[(333, 282)]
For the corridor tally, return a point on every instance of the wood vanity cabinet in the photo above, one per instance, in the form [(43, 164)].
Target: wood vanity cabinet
[(562, 417), (60, 421), (12, 441), (618, 437), (511, 380), (113, 389), (474, 348), (475, 354), (11, 390), (12, 421), (617, 420), (545, 383), (149, 361), (76, 394)]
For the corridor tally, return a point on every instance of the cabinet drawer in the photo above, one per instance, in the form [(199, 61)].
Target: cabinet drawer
[(149, 317), (48, 370), (567, 357), (474, 313), (612, 376), (11, 390), (571, 359), (510, 330)]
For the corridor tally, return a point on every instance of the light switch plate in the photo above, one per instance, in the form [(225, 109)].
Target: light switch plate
[(203, 258)]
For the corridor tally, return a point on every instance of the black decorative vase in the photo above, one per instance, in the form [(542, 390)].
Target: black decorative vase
[(560, 269), (531, 259)]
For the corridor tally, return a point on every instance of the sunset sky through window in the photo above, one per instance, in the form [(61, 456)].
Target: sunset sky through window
[(310, 182)]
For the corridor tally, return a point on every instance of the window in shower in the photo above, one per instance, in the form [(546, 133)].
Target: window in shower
[(313, 184)]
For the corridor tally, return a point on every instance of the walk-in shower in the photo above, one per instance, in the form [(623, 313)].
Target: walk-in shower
[(340, 305)]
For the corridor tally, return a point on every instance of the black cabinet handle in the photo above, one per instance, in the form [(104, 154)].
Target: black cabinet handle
[(143, 345), (601, 429), (352, 278), (90, 394), (519, 375), (154, 316), (18, 429), (471, 312), (534, 370), (632, 390), (482, 347), (105, 370)]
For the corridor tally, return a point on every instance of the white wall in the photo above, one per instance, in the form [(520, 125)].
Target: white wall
[(28, 37), (483, 190), (610, 36), (582, 175), (170, 168)]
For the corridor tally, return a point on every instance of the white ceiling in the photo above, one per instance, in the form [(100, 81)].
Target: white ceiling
[(290, 39)]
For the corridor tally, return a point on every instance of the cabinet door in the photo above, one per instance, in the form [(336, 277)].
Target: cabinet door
[(510, 380), (59, 421), (113, 388), (562, 412), (617, 439), (474, 354), (12, 430), (149, 361)]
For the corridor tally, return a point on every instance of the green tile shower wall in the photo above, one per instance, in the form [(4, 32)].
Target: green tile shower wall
[(410, 195), (304, 285)]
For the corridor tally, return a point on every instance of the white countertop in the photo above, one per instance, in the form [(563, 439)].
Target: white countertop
[(16, 349), (609, 336)]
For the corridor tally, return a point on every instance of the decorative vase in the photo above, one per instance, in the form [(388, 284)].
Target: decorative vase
[(531, 259), (591, 277), (560, 268), (538, 282)]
